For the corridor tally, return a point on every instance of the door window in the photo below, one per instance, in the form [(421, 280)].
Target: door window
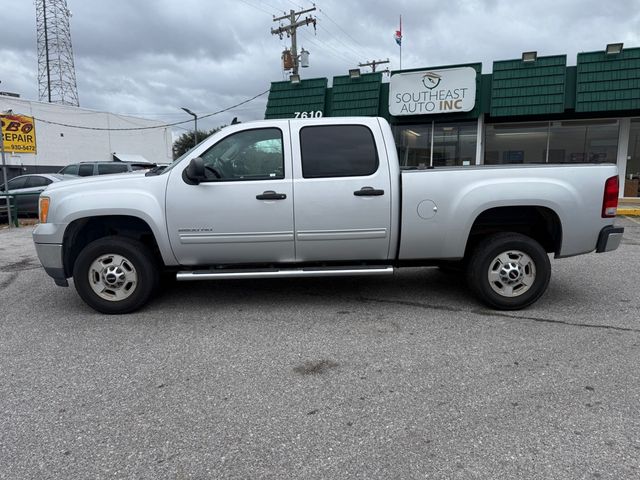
[(106, 168), (36, 181), (338, 151), (247, 155), (85, 170), (16, 183), (70, 170)]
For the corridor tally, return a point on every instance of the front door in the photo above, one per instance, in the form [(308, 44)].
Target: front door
[(243, 213), (343, 193)]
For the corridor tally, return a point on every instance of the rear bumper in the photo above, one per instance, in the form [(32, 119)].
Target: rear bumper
[(609, 239), (50, 255)]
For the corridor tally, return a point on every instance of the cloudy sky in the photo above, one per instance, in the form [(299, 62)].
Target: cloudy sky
[(151, 57)]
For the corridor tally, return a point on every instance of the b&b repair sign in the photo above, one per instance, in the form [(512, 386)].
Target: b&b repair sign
[(18, 133)]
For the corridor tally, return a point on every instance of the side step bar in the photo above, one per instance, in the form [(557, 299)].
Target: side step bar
[(284, 273)]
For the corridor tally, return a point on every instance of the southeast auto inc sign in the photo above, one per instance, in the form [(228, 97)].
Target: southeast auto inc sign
[(433, 91)]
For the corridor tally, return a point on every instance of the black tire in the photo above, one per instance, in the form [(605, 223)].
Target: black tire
[(139, 274), (527, 275)]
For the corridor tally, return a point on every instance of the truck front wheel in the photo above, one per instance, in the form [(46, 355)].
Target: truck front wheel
[(115, 274), (509, 271)]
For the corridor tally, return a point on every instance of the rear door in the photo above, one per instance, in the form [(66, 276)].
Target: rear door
[(342, 191)]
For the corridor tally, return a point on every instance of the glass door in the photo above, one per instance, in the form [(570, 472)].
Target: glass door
[(632, 174), (414, 144)]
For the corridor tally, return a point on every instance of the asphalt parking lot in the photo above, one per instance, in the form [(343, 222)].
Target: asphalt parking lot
[(392, 377)]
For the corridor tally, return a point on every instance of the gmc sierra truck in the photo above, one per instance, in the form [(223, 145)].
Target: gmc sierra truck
[(320, 197)]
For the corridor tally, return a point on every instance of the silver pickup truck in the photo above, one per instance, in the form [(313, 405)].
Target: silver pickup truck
[(320, 197)]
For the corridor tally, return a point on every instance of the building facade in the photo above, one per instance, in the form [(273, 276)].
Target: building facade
[(528, 110), (103, 136)]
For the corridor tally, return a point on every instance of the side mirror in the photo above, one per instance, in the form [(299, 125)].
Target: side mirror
[(194, 173)]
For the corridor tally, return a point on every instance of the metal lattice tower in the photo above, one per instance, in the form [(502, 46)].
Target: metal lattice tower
[(56, 71)]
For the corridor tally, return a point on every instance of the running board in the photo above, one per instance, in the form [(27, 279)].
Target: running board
[(283, 273)]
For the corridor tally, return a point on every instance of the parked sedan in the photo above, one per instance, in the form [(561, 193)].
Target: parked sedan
[(28, 188), (86, 169)]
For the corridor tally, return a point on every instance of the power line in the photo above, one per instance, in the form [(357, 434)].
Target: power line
[(294, 4), (257, 7), (355, 52), (80, 127), (273, 7), (329, 49), (323, 12), (291, 29)]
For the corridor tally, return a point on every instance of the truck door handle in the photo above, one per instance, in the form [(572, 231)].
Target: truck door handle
[(271, 195), (368, 192)]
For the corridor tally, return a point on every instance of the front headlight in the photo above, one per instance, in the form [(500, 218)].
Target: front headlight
[(43, 209)]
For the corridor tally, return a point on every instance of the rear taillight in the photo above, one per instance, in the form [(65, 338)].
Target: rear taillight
[(610, 198)]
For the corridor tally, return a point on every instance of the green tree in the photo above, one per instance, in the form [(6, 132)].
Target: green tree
[(186, 141)]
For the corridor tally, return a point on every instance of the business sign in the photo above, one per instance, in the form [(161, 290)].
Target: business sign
[(18, 133), (433, 91)]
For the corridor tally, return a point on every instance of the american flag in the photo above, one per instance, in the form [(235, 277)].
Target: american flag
[(398, 34)]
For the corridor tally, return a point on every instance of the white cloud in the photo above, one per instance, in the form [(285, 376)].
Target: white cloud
[(151, 57)]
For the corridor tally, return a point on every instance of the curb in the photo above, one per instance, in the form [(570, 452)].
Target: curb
[(629, 212)]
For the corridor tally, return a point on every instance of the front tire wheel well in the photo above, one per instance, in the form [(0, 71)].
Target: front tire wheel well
[(82, 232)]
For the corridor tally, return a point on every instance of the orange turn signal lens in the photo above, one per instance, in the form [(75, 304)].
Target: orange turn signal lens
[(43, 211)]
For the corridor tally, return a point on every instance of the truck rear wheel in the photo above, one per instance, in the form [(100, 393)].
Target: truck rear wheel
[(509, 271), (115, 275)]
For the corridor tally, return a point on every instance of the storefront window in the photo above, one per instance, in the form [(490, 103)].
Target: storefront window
[(453, 144), (516, 143), (583, 141), (632, 177), (576, 141)]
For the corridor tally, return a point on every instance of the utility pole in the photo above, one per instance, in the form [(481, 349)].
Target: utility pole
[(373, 64), (6, 182), (294, 22)]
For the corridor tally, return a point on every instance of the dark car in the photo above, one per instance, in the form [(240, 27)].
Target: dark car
[(28, 189), (87, 169)]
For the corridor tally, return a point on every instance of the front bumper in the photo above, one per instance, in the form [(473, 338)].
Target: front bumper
[(609, 239), (50, 255)]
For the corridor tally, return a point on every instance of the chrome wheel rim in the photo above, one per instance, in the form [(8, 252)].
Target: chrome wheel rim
[(512, 273), (113, 277)]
